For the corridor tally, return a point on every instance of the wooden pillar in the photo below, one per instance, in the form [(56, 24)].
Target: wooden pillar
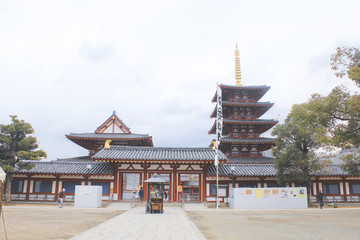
[(178, 179), (86, 179), (262, 182), (200, 187), (204, 183), (116, 179), (344, 189), (174, 182), (145, 186), (28, 188), (121, 186), (57, 187)]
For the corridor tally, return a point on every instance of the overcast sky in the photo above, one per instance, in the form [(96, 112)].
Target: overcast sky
[(66, 65)]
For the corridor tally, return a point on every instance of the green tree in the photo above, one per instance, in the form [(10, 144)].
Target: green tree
[(16, 145), (339, 113), (297, 140), (346, 61)]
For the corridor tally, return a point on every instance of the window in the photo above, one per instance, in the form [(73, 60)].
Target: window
[(17, 186), (42, 187), (222, 190), (70, 186), (105, 186), (331, 188), (355, 188)]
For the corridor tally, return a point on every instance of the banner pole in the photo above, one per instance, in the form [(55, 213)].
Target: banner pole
[(217, 148)]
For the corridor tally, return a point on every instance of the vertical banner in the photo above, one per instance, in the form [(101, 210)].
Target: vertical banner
[(218, 122)]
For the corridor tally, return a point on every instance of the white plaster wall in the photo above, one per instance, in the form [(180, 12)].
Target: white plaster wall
[(341, 188), (53, 188), (314, 188), (31, 185), (347, 186), (25, 186)]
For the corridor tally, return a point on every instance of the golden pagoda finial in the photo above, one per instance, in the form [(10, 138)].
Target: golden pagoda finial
[(237, 67)]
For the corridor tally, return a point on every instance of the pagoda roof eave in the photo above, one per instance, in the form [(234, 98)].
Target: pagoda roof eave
[(248, 104), (214, 99), (248, 140), (255, 87), (257, 121)]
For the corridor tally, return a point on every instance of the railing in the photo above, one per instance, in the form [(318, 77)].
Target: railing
[(338, 198), (242, 117), (189, 197)]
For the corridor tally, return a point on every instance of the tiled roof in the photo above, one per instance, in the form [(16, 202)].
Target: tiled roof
[(157, 153), (247, 140), (127, 136), (74, 159), (249, 160), (332, 170), (249, 104), (256, 121), (245, 87), (68, 168), (337, 159), (257, 170), (245, 170)]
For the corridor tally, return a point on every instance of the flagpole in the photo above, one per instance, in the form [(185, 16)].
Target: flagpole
[(217, 148)]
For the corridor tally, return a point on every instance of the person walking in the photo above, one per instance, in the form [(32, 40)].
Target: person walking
[(320, 197), (141, 194), (61, 198)]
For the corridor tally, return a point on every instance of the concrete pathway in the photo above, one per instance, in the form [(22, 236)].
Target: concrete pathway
[(135, 224)]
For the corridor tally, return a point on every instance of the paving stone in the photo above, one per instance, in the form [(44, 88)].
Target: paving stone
[(173, 224)]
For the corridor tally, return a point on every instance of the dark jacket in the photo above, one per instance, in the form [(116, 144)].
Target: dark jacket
[(61, 194), (320, 196), (141, 193)]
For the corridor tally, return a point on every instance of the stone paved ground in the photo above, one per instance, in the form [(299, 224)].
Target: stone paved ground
[(135, 224), (307, 224), (49, 222)]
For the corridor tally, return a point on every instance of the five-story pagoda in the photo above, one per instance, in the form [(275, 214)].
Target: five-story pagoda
[(241, 127)]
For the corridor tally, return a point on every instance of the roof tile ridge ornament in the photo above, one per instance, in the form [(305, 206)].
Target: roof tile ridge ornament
[(237, 67)]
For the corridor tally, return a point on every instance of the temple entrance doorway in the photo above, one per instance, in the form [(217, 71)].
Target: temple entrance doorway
[(190, 185), (130, 185), (166, 185)]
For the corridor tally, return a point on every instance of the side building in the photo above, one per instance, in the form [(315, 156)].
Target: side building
[(119, 161)]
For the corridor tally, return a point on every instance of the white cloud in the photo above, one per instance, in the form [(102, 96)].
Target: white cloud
[(65, 66)]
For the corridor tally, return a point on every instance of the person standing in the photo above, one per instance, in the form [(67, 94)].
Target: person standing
[(61, 197), (165, 196), (320, 197), (141, 194)]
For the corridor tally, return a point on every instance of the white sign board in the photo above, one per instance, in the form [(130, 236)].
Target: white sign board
[(269, 198), (88, 196)]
